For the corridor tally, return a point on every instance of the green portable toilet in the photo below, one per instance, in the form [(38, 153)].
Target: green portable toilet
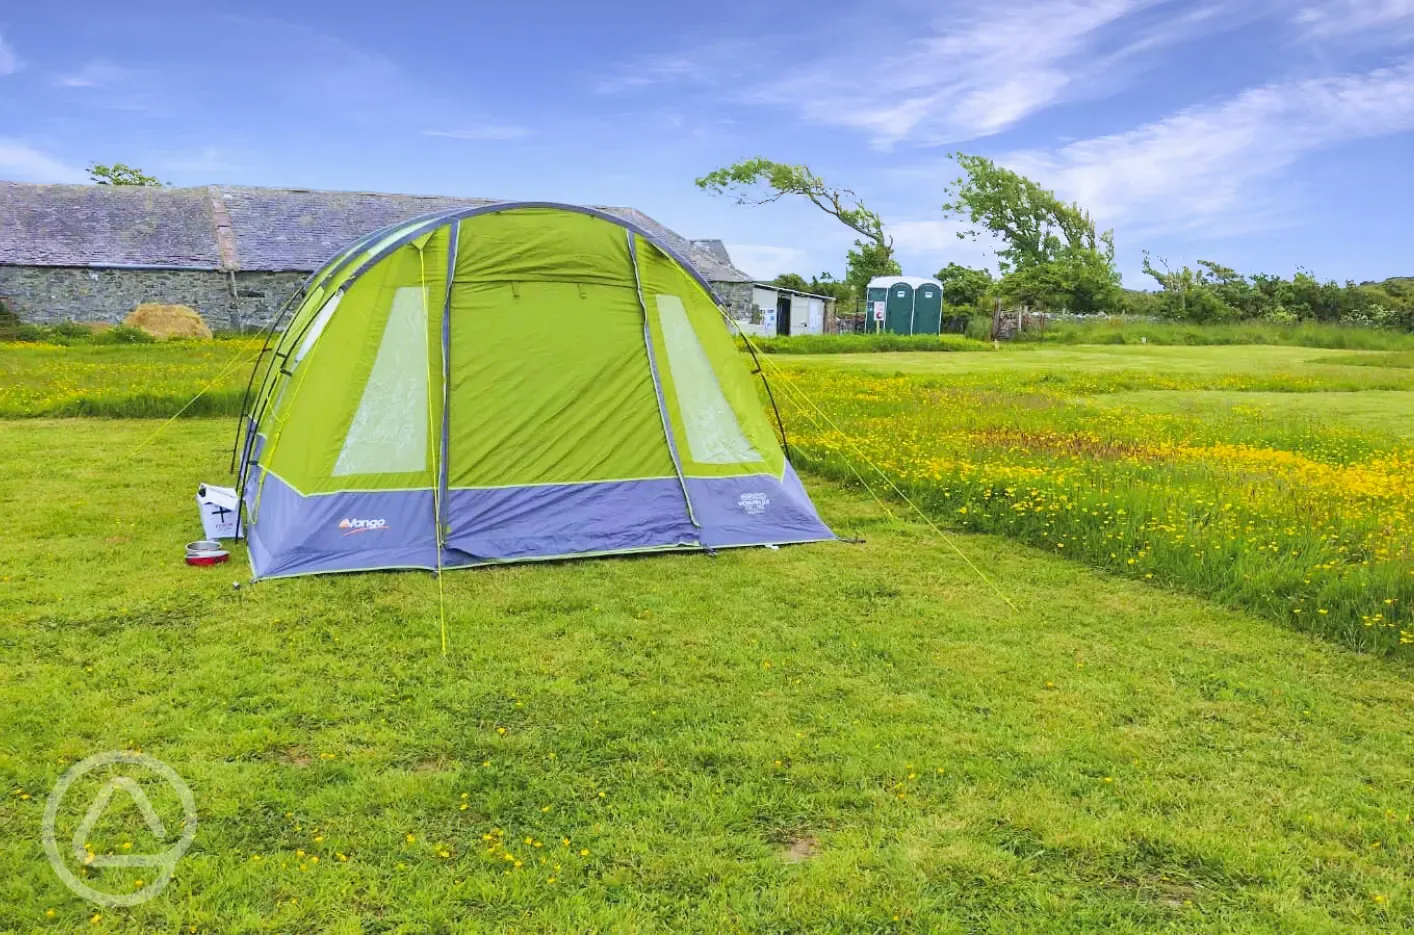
[(928, 308), (898, 312), (912, 304)]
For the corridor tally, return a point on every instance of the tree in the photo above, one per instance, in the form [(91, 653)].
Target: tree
[(1078, 281), (791, 281), (964, 286), (842, 292), (121, 174), (1036, 226), (1189, 295), (1051, 254), (760, 181), (866, 261)]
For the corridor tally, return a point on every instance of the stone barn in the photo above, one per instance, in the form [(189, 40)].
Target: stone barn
[(234, 253)]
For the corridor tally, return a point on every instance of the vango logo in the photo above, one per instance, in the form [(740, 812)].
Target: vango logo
[(351, 526)]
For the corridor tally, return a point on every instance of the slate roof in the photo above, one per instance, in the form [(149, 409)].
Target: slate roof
[(88, 225), (716, 248), (270, 229)]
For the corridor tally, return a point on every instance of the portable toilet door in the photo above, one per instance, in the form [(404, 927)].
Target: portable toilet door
[(878, 297), (928, 309), (898, 315)]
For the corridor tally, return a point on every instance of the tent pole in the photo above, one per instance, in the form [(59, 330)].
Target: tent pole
[(444, 472), (657, 383)]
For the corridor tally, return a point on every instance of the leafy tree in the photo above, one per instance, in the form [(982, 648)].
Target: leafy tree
[(760, 181), (120, 174), (963, 285), (1051, 254), (841, 291), (866, 261), (1188, 295), (1079, 281), (1035, 226), (1214, 292), (824, 284), (791, 281)]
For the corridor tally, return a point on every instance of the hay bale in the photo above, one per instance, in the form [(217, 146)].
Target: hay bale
[(168, 321)]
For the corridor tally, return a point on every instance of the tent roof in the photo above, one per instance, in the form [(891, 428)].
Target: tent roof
[(233, 227)]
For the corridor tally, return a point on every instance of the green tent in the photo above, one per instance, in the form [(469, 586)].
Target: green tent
[(509, 382)]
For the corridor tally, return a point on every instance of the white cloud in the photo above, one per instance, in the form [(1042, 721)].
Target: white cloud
[(21, 163), (706, 65), (961, 71), (94, 74), (657, 69), (9, 61), (1390, 20), (766, 261), (1208, 165), (982, 69), (486, 132), (935, 243)]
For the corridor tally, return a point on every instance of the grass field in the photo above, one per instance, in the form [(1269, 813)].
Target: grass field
[(1376, 411), (1102, 454), (827, 738), (847, 738), (1305, 334), (1104, 369), (142, 381)]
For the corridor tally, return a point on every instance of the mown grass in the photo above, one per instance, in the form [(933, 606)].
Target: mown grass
[(828, 738), (1088, 370), (867, 343), (1379, 412), (1403, 360), (1306, 334), (1300, 521)]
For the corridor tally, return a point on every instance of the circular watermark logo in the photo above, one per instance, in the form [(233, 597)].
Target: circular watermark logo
[(120, 780)]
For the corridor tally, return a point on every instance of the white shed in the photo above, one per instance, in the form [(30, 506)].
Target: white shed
[(786, 311)]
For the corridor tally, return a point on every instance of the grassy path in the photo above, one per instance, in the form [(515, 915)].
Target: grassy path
[(831, 738), (1101, 368)]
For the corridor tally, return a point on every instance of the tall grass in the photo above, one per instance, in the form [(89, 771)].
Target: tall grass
[(1130, 331), (125, 380), (1302, 523)]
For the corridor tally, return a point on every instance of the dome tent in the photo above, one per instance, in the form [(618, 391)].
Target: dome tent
[(509, 382)]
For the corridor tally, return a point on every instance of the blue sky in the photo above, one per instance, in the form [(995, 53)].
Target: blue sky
[(1265, 134)]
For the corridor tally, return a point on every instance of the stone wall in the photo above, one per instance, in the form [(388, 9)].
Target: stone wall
[(53, 294), (48, 295), (737, 300)]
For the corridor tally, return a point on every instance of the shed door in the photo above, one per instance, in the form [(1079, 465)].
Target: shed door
[(898, 314), (783, 321)]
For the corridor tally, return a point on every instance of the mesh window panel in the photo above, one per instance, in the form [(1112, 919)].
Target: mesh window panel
[(713, 434), (388, 434)]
